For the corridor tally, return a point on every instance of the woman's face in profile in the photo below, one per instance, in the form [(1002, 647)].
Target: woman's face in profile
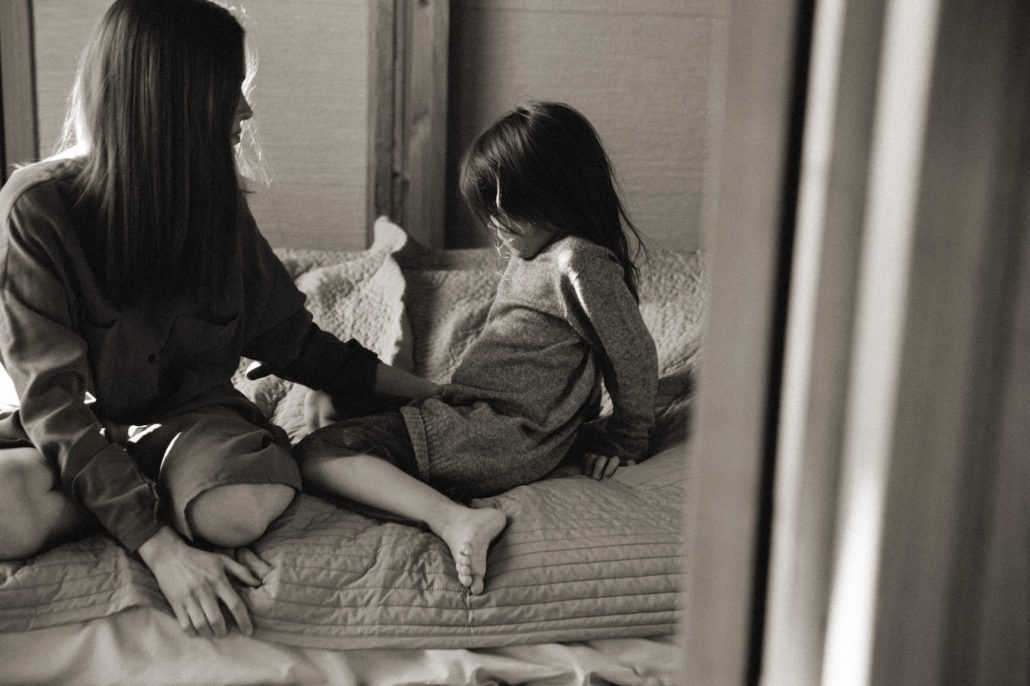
[(243, 112)]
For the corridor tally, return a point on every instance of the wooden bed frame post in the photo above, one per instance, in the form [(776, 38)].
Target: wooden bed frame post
[(408, 115), (19, 138)]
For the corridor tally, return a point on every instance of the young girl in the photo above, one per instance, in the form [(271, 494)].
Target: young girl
[(132, 279), (564, 318)]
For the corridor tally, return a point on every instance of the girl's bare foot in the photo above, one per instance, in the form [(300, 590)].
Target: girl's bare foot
[(468, 535)]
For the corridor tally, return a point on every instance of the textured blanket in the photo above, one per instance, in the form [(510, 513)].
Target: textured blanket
[(579, 560)]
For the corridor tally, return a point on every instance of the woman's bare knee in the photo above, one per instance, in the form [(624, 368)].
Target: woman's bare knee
[(237, 514), (34, 513)]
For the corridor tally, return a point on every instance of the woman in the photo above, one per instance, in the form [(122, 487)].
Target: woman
[(132, 279)]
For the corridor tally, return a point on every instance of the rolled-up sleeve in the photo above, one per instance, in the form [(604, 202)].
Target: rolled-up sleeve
[(47, 361)]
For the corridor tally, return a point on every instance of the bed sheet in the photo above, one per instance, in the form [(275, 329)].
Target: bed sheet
[(146, 646)]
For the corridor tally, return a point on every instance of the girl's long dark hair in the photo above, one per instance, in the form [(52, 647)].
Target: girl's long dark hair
[(152, 109), (543, 164)]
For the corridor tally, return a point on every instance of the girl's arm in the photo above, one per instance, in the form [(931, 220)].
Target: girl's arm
[(610, 318)]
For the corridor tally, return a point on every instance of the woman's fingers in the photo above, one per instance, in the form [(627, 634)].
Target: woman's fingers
[(241, 572), (599, 466), (237, 608), (183, 615), (231, 599), (213, 613), (197, 618), (613, 464), (197, 584), (204, 611), (210, 602), (253, 562)]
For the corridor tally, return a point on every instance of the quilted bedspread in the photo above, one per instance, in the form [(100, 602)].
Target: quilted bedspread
[(579, 559)]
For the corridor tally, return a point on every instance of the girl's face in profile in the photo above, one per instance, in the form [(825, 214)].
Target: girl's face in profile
[(524, 241), (243, 112)]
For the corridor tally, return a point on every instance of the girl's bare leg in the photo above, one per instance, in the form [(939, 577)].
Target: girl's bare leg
[(34, 513), (367, 479)]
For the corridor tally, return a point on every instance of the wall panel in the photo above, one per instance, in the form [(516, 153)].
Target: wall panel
[(640, 71), (311, 110)]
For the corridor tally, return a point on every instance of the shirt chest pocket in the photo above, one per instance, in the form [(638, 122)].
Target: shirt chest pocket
[(206, 347), (118, 353), (136, 362)]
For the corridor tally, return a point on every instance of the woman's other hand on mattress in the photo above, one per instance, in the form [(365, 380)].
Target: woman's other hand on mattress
[(603, 466), (196, 583)]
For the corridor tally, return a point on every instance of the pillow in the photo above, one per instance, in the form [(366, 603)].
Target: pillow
[(673, 301), (448, 296), (357, 295)]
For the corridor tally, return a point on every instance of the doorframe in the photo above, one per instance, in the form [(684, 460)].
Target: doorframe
[(408, 115), (19, 134)]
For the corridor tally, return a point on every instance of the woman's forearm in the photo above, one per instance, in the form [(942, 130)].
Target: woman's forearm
[(397, 382)]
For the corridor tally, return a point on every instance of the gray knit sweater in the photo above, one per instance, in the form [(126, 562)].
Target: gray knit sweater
[(560, 323)]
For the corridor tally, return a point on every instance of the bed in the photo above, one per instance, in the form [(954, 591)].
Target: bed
[(583, 587)]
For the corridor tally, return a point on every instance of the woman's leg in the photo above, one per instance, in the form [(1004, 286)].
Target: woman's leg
[(224, 477), (236, 515), (34, 512), (370, 480)]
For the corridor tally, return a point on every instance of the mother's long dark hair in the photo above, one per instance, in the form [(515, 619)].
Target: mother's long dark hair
[(152, 110), (543, 164)]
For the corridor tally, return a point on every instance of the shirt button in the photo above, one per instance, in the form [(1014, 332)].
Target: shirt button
[(152, 358)]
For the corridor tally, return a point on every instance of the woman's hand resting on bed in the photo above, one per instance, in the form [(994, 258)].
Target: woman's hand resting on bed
[(195, 583), (603, 466)]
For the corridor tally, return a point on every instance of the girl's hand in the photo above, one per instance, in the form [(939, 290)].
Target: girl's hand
[(603, 466), (196, 584)]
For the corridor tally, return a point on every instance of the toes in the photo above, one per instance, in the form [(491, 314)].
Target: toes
[(463, 565), (472, 540)]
